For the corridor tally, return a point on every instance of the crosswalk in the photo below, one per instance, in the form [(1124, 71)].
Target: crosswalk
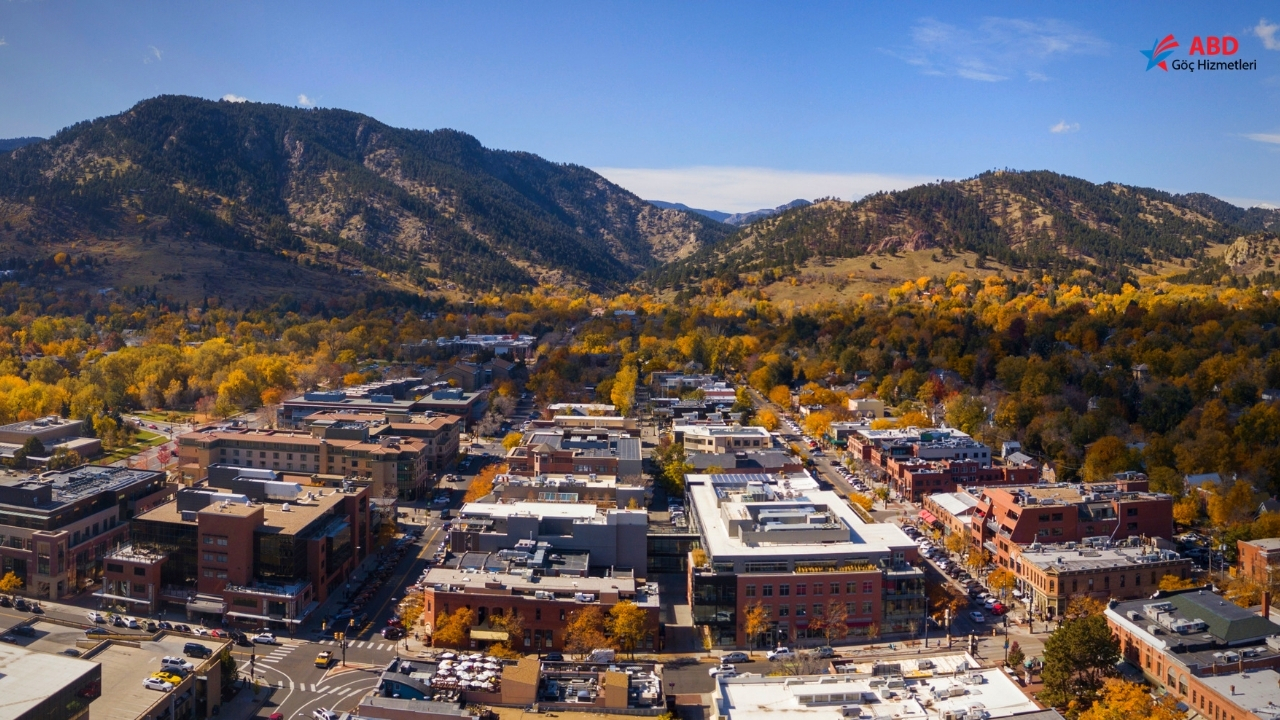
[(318, 689), (279, 653), (366, 644)]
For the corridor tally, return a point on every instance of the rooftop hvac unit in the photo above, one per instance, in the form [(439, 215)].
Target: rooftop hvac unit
[(1273, 642), (850, 711)]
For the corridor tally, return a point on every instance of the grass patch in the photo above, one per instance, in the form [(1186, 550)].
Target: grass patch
[(168, 416), (142, 441)]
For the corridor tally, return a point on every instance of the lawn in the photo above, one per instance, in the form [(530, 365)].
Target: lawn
[(142, 441), (169, 416)]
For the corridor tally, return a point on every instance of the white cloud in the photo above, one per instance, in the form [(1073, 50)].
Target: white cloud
[(742, 189), (1064, 127), (154, 56), (305, 101), (3, 42), (1265, 138), (1251, 202), (1266, 31), (229, 97), (997, 49)]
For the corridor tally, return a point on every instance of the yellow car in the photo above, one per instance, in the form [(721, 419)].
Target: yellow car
[(167, 676), (323, 659)]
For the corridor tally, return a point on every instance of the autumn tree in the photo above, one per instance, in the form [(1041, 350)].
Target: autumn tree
[(1016, 656), (1106, 457), (978, 560), (1124, 700), (512, 440), (623, 394), (65, 459), (755, 623), (1001, 580), (1233, 505), (966, 412), (780, 395), (585, 631), (512, 624), (1170, 582), (766, 419), (628, 626), (482, 484), (453, 630), (833, 623), (1188, 509), (818, 423), (956, 543), (10, 583), (866, 502)]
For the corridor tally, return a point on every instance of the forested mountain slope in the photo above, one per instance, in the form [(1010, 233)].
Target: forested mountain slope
[(330, 193)]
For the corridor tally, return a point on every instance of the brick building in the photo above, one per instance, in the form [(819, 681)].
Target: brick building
[(1049, 576), (565, 451), (368, 450), (1061, 513), (1217, 658), (56, 527), (913, 478), (542, 587), (1259, 560), (780, 542), (249, 544)]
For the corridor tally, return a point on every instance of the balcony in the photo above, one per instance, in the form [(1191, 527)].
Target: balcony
[(269, 590)]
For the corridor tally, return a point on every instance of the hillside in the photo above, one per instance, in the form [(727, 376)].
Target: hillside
[(1037, 220), (7, 144), (247, 198)]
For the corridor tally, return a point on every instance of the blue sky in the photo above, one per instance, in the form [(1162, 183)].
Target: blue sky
[(730, 106)]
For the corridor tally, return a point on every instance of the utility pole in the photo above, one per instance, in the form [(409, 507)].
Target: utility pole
[(342, 643)]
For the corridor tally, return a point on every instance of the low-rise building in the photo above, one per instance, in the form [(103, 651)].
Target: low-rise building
[(913, 478), (945, 687), (544, 588), (721, 438), (45, 686), (53, 432), (615, 537), (56, 527), (1216, 657), (250, 545), (565, 451), (1064, 512), (585, 687), (753, 462), (368, 451), (879, 447), (1259, 560), (470, 406), (870, 408), (955, 512), (1049, 576), (780, 542), (603, 491)]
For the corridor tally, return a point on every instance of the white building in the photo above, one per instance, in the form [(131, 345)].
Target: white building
[(721, 438)]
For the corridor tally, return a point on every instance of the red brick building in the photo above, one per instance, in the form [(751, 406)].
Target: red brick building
[(1259, 560), (914, 479)]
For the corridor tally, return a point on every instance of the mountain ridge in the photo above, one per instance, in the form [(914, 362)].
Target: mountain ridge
[(337, 191)]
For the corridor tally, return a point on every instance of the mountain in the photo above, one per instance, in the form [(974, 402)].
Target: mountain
[(740, 219), (248, 197), (7, 144), (1035, 219), (713, 214), (735, 219)]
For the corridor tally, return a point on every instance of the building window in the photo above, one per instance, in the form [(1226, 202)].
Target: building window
[(802, 589), (784, 589), (866, 607), (817, 609), (866, 587), (537, 613), (851, 588), (851, 608), (784, 610), (835, 588), (1073, 584), (767, 591), (817, 588), (1121, 581), (751, 591)]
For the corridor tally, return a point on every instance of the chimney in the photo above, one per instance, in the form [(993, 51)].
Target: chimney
[(1266, 604)]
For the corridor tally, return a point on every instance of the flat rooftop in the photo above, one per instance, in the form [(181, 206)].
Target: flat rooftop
[(1079, 559), (1253, 690), (927, 694), (1265, 543), (722, 430), (957, 503), (302, 511), (28, 677), (575, 511), (708, 493), (565, 586)]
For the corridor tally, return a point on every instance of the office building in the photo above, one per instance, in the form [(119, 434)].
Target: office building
[(53, 432), (778, 541), (614, 537), (1049, 576), (564, 451), (721, 438), (248, 545), (56, 527)]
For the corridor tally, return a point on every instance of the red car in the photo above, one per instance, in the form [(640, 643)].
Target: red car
[(998, 609)]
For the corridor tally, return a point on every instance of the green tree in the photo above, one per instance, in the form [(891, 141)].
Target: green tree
[(1166, 480), (64, 459), (229, 667), (966, 412), (1016, 656), (1078, 657)]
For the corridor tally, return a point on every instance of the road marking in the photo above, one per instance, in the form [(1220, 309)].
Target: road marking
[(324, 689), (268, 660), (280, 683)]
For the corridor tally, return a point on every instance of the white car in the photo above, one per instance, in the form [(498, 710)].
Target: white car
[(132, 624), (169, 662), (977, 617), (322, 714), (264, 639), (97, 617), (782, 653), (157, 684), (723, 670)]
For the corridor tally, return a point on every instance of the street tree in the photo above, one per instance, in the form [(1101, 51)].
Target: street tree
[(755, 623), (1001, 580), (453, 630), (1078, 657), (1123, 700), (628, 626), (10, 583), (585, 631)]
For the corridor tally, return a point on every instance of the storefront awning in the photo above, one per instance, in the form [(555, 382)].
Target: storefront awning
[(206, 606), (250, 616), (493, 635), (122, 598), (928, 517)]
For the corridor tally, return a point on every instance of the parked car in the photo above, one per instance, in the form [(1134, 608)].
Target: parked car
[(132, 624), (96, 631), (195, 650), (726, 671), (553, 657), (23, 630), (826, 651), (157, 684), (171, 661), (20, 604), (734, 657), (265, 638), (167, 676), (781, 653), (35, 608)]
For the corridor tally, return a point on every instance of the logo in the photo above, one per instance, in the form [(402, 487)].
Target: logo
[(1158, 52)]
